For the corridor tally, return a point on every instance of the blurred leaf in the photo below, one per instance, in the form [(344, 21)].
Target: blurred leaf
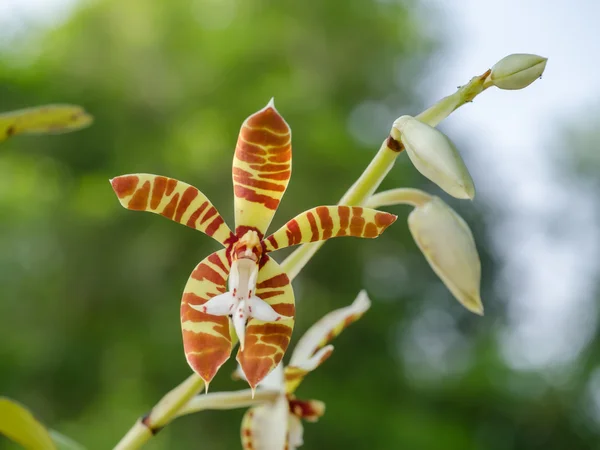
[(18, 424), (51, 119)]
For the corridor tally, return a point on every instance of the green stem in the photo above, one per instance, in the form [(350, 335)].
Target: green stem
[(400, 196), (162, 413), (170, 405)]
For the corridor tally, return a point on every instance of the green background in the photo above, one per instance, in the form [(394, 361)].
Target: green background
[(89, 292)]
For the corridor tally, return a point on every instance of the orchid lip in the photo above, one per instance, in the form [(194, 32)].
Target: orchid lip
[(240, 303)]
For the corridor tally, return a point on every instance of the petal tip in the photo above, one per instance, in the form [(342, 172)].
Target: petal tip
[(362, 301), (475, 305), (470, 191), (478, 310), (384, 220)]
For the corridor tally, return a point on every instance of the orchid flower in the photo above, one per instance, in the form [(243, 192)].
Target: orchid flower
[(257, 305), (274, 422)]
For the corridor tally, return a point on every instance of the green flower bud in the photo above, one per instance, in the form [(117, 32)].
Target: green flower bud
[(435, 156), (517, 71)]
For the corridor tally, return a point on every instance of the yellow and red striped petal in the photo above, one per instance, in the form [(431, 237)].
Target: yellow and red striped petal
[(265, 427), (207, 339), (172, 199), (312, 348), (262, 167), (325, 222), (266, 342)]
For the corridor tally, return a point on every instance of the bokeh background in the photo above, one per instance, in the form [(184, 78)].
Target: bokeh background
[(89, 292)]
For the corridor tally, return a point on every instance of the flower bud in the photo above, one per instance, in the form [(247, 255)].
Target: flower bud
[(435, 156), (448, 245), (517, 71)]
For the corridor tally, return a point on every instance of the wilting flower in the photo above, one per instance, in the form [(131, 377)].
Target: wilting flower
[(43, 119), (276, 424), (435, 156), (517, 71), (259, 301), (448, 245)]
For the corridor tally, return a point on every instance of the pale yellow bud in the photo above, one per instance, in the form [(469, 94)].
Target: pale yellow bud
[(448, 245), (435, 156), (517, 71)]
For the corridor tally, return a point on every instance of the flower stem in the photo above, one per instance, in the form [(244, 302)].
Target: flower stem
[(400, 196), (175, 402), (228, 400), (162, 413)]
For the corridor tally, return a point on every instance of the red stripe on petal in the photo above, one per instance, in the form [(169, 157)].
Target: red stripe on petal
[(158, 190), (139, 201), (344, 213), (273, 242), (285, 309), (252, 196), (294, 234), (196, 214), (214, 259), (171, 185), (204, 272), (358, 222), (313, 227), (214, 225), (210, 213), (124, 186), (274, 282), (242, 177), (186, 199), (326, 221), (371, 230), (270, 294), (169, 210)]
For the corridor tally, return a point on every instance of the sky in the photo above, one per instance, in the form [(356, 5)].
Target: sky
[(511, 143)]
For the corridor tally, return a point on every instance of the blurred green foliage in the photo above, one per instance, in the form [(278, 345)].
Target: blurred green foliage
[(90, 292)]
